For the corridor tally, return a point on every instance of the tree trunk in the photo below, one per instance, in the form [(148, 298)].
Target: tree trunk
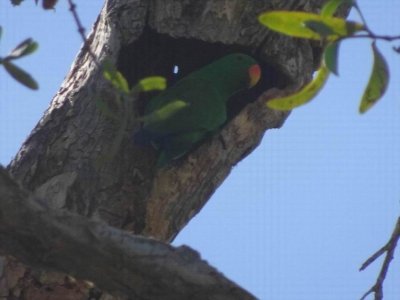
[(67, 160)]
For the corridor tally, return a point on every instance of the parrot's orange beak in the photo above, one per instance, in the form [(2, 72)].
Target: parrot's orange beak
[(254, 74)]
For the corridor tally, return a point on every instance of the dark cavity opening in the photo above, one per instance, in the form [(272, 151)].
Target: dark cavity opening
[(173, 58)]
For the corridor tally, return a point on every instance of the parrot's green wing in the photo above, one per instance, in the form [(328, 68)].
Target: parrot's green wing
[(183, 115), (203, 109)]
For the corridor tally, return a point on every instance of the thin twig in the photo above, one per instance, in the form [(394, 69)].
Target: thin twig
[(81, 30), (370, 34), (373, 258), (363, 19), (376, 36), (389, 248)]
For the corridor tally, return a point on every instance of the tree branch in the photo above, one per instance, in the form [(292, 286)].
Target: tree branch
[(59, 160), (118, 262), (81, 30), (389, 248)]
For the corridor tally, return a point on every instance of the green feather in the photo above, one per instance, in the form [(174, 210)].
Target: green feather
[(182, 116)]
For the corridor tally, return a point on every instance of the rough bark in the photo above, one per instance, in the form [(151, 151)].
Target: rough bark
[(65, 159), (131, 266)]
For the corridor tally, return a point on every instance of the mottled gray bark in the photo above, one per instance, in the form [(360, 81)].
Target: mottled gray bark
[(130, 266), (66, 158)]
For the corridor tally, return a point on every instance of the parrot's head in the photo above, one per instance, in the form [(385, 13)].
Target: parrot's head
[(244, 67), (230, 74)]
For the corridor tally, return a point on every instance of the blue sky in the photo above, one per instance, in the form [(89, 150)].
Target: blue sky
[(295, 219)]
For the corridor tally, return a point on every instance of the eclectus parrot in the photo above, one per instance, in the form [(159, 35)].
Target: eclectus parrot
[(180, 117)]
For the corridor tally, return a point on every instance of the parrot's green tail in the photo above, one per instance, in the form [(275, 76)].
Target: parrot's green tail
[(177, 146)]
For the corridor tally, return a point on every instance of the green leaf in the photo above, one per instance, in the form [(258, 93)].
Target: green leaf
[(377, 83), (304, 95), (152, 83), (294, 24), (20, 75), (115, 77), (321, 28), (331, 57), (330, 7), (1, 31), (165, 112), (26, 47)]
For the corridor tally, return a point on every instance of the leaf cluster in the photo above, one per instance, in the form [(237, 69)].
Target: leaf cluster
[(24, 48), (46, 4), (124, 92), (330, 31)]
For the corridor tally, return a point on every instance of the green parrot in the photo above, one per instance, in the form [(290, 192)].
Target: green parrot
[(183, 115)]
